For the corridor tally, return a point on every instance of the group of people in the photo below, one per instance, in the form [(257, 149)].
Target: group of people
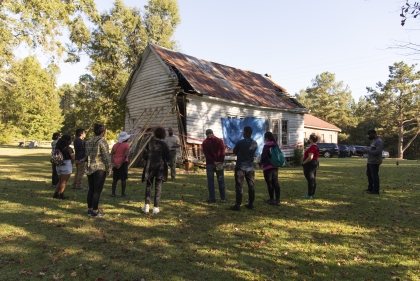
[(94, 159)]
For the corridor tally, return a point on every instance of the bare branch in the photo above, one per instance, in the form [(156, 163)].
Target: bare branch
[(8, 83)]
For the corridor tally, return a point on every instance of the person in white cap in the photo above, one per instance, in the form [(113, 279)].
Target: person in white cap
[(119, 158)]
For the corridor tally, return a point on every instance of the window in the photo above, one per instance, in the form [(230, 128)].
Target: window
[(284, 132), (267, 125), (275, 129), (331, 138), (322, 138)]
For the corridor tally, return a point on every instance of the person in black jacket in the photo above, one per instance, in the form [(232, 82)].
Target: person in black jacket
[(155, 169)]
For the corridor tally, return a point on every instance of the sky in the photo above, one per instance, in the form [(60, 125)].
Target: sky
[(293, 41)]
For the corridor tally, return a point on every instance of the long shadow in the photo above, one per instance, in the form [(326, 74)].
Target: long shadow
[(212, 241)]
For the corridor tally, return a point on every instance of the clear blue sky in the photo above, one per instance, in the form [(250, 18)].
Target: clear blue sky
[(291, 40)]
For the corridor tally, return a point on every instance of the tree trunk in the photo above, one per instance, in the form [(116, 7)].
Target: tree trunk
[(400, 141)]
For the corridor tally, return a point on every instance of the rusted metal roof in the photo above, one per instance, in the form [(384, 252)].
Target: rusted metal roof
[(225, 82), (311, 121)]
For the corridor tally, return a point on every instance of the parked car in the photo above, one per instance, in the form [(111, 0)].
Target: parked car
[(344, 150), (385, 154), (358, 150), (352, 150), (327, 150)]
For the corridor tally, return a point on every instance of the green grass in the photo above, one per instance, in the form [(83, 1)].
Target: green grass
[(344, 234)]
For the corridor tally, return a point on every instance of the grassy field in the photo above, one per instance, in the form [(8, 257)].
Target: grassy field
[(344, 234)]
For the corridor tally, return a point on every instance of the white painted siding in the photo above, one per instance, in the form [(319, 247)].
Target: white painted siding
[(206, 114), (153, 87)]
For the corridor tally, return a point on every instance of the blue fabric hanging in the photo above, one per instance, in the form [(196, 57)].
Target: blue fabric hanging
[(233, 128)]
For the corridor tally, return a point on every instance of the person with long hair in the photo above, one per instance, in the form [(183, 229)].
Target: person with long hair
[(157, 156), (271, 172), (310, 166), (119, 159), (98, 168), (64, 171)]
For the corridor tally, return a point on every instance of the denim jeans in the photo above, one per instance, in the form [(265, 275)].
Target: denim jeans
[(96, 184), (239, 185), (372, 172), (210, 170)]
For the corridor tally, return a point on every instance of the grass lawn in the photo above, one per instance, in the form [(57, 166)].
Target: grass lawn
[(344, 234)]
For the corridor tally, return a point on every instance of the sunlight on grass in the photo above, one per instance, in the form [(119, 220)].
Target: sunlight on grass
[(344, 234)]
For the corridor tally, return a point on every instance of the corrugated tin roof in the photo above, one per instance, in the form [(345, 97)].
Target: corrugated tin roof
[(314, 122), (225, 82)]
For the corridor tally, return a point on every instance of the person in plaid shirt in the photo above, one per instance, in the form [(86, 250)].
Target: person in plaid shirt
[(97, 169)]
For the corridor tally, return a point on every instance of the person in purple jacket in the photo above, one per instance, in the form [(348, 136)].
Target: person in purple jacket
[(271, 172)]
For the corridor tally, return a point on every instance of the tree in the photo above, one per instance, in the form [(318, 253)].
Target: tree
[(328, 100), (397, 104), (409, 11), (39, 23), (31, 106), (114, 45)]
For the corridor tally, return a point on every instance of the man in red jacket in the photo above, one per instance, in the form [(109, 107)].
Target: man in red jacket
[(214, 150)]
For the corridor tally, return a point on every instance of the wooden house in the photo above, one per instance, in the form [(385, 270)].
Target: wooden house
[(172, 89), (325, 131)]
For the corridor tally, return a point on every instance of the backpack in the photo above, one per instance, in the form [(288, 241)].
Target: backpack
[(57, 157), (277, 158)]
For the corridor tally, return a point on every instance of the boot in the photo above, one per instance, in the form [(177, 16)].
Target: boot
[(56, 195), (62, 197)]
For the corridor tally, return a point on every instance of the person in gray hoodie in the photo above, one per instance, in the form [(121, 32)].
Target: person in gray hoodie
[(374, 159)]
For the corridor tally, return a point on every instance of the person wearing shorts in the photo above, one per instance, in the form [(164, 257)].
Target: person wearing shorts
[(65, 170), (119, 158)]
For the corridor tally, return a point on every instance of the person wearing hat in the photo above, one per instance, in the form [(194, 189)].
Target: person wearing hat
[(173, 143), (119, 157), (214, 150), (54, 176), (374, 159)]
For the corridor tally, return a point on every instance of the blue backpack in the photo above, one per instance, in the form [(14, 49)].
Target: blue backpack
[(277, 158)]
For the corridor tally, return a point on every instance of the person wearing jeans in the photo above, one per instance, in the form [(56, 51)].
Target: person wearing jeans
[(374, 153), (173, 143), (214, 150), (97, 169), (310, 166), (245, 152)]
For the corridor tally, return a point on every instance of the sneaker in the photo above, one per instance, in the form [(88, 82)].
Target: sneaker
[(249, 206), (145, 208), (124, 195), (53, 186), (223, 201), (235, 208), (276, 203), (211, 201), (89, 213), (113, 195), (155, 210), (56, 195), (99, 214), (269, 201), (308, 197), (371, 192)]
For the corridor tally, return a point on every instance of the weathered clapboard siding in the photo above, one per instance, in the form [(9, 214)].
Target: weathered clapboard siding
[(153, 87), (205, 114)]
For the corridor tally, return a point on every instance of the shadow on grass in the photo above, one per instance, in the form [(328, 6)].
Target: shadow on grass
[(344, 235)]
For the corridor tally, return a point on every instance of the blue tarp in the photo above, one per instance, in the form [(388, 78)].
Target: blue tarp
[(233, 128)]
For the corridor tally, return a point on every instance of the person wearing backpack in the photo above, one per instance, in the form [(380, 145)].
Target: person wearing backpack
[(271, 172), (310, 166), (66, 168)]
